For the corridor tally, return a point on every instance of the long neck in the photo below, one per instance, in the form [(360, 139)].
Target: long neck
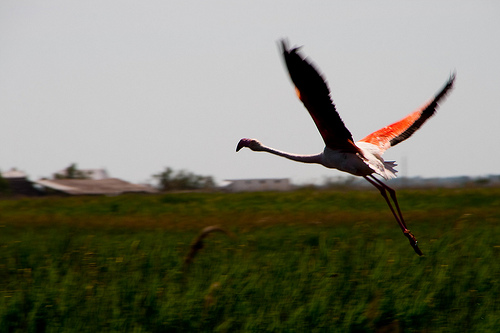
[(299, 158)]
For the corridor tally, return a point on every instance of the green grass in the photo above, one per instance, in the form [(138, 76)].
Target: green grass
[(319, 261)]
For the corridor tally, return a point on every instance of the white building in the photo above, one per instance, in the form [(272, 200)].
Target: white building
[(108, 186), (256, 185)]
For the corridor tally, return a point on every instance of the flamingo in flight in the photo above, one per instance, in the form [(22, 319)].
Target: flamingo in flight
[(362, 158)]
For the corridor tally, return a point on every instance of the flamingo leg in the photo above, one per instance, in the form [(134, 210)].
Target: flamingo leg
[(383, 189)]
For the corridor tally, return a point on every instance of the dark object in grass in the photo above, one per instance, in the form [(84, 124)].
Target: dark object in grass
[(198, 242)]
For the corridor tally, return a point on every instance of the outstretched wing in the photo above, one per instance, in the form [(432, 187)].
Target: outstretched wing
[(393, 134), (313, 91)]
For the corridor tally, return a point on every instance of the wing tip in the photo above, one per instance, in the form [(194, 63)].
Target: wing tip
[(453, 75), (446, 88), (284, 46)]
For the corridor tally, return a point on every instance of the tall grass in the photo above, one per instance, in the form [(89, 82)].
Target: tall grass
[(302, 261)]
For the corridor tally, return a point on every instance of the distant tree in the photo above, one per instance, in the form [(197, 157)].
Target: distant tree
[(71, 172), (168, 180)]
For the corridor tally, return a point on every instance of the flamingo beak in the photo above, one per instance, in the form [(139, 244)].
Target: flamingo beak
[(241, 144)]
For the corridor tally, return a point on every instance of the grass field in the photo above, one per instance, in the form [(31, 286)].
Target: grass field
[(303, 261)]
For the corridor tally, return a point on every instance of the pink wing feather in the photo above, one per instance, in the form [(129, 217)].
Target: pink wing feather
[(399, 131)]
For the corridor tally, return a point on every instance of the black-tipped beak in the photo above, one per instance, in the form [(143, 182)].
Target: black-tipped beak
[(240, 145)]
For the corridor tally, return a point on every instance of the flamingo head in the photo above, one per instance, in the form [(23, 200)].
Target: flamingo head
[(249, 143)]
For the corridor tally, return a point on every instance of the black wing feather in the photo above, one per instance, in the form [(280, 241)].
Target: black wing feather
[(427, 112), (313, 91)]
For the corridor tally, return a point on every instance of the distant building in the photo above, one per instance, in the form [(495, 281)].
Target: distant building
[(108, 186), (19, 184), (256, 185), (95, 174)]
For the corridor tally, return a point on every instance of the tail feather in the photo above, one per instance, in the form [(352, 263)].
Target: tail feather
[(390, 171)]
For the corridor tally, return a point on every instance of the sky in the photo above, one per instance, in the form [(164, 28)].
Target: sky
[(138, 86)]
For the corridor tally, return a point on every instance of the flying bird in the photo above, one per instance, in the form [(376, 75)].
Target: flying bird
[(362, 158)]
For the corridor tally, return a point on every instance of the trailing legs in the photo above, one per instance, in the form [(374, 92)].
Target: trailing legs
[(383, 189)]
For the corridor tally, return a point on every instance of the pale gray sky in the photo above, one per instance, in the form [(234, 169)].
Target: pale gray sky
[(135, 86)]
